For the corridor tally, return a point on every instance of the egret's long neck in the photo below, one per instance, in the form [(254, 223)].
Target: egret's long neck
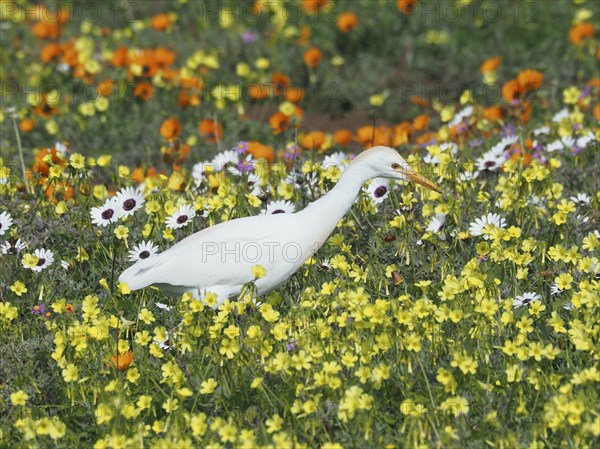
[(328, 210)]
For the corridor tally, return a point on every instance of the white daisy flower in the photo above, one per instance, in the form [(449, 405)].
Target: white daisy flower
[(437, 223), (225, 158), (584, 141), (162, 306), (279, 207), (65, 265), (142, 251), (337, 159), (181, 217), (581, 199), (6, 222), (129, 200), (568, 306), (460, 116), (12, 246), (61, 148), (378, 190), (478, 226), (491, 161), (467, 176), (560, 115), (200, 170), (525, 299), (555, 290), (45, 259), (542, 130), (105, 214)]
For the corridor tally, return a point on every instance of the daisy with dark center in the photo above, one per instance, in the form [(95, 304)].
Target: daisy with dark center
[(525, 299), (12, 246), (6, 222), (129, 200), (437, 223), (279, 207), (181, 217), (224, 159), (378, 190), (105, 214), (45, 259), (142, 251)]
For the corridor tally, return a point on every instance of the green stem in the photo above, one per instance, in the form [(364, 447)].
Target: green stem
[(21, 158)]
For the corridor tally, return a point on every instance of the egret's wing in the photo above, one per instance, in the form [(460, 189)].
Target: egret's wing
[(219, 255)]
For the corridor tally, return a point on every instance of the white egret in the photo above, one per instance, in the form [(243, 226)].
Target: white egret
[(219, 259)]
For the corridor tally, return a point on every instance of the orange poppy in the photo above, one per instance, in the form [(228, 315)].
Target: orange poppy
[(342, 137), (121, 361), (304, 36), (185, 99), (260, 151), (313, 57), (170, 128), (491, 64), (420, 122), (594, 83), (257, 92), (293, 94), (40, 166), (161, 22), (579, 33), (313, 140), (526, 113), (143, 90), (50, 52), (419, 101), (530, 80), (369, 136), (105, 88), (493, 113), (174, 153), (27, 124), (347, 21), (596, 112), (279, 122), (313, 5), (120, 57), (407, 6), (280, 82), (210, 131), (44, 109), (402, 133), (46, 30), (511, 91)]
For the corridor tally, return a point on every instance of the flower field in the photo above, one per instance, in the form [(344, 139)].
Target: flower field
[(466, 319)]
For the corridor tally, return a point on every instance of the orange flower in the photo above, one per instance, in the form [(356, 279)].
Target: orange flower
[(293, 94), (45, 30), (407, 6), (210, 131), (280, 82), (304, 37), (185, 99), (369, 136), (143, 90), (530, 80), (279, 122), (578, 33), (313, 140), (420, 122), (402, 133), (491, 64), (511, 91), (257, 92), (313, 57), (27, 124), (120, 57), (342, 137), (419, 101), (313, 5), (596, 112), (347, 21), (105, 88), (260, 151), (493, 113), (161, 22), (121, 361), (170, 128), (175, 153), (40, 166), (50, 52)]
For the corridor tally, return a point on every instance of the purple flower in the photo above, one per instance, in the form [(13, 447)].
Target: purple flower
[(241, 147), (38, 309), (585, 93), (245, 166), (291, 151), (508, 130), (249, 37), (475, 143), (291, 345)]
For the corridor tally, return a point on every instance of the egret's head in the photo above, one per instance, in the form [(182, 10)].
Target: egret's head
[(387, 163)]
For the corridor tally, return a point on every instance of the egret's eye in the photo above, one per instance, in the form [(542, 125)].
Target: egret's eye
[(395, 166)]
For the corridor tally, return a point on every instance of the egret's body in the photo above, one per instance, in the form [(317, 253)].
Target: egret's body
[(219, 259)]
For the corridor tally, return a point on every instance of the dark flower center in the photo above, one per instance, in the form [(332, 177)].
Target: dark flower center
[(278, 211), (107, 214), (129, 204), (526, 301), (144, 254), (489, 164), (41, 261), (380, 191), (182, 219)]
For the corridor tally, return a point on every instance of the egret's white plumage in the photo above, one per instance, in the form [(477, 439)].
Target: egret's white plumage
[(220, 258)]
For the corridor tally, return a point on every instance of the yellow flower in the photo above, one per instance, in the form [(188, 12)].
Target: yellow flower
[(77, 161), (70, 373), (571, 95), (563, 281), (18, 288), (19, 398), (146, 316), (258, 271), (208, 386), (124, 288), (171, 405), (274, 424)]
